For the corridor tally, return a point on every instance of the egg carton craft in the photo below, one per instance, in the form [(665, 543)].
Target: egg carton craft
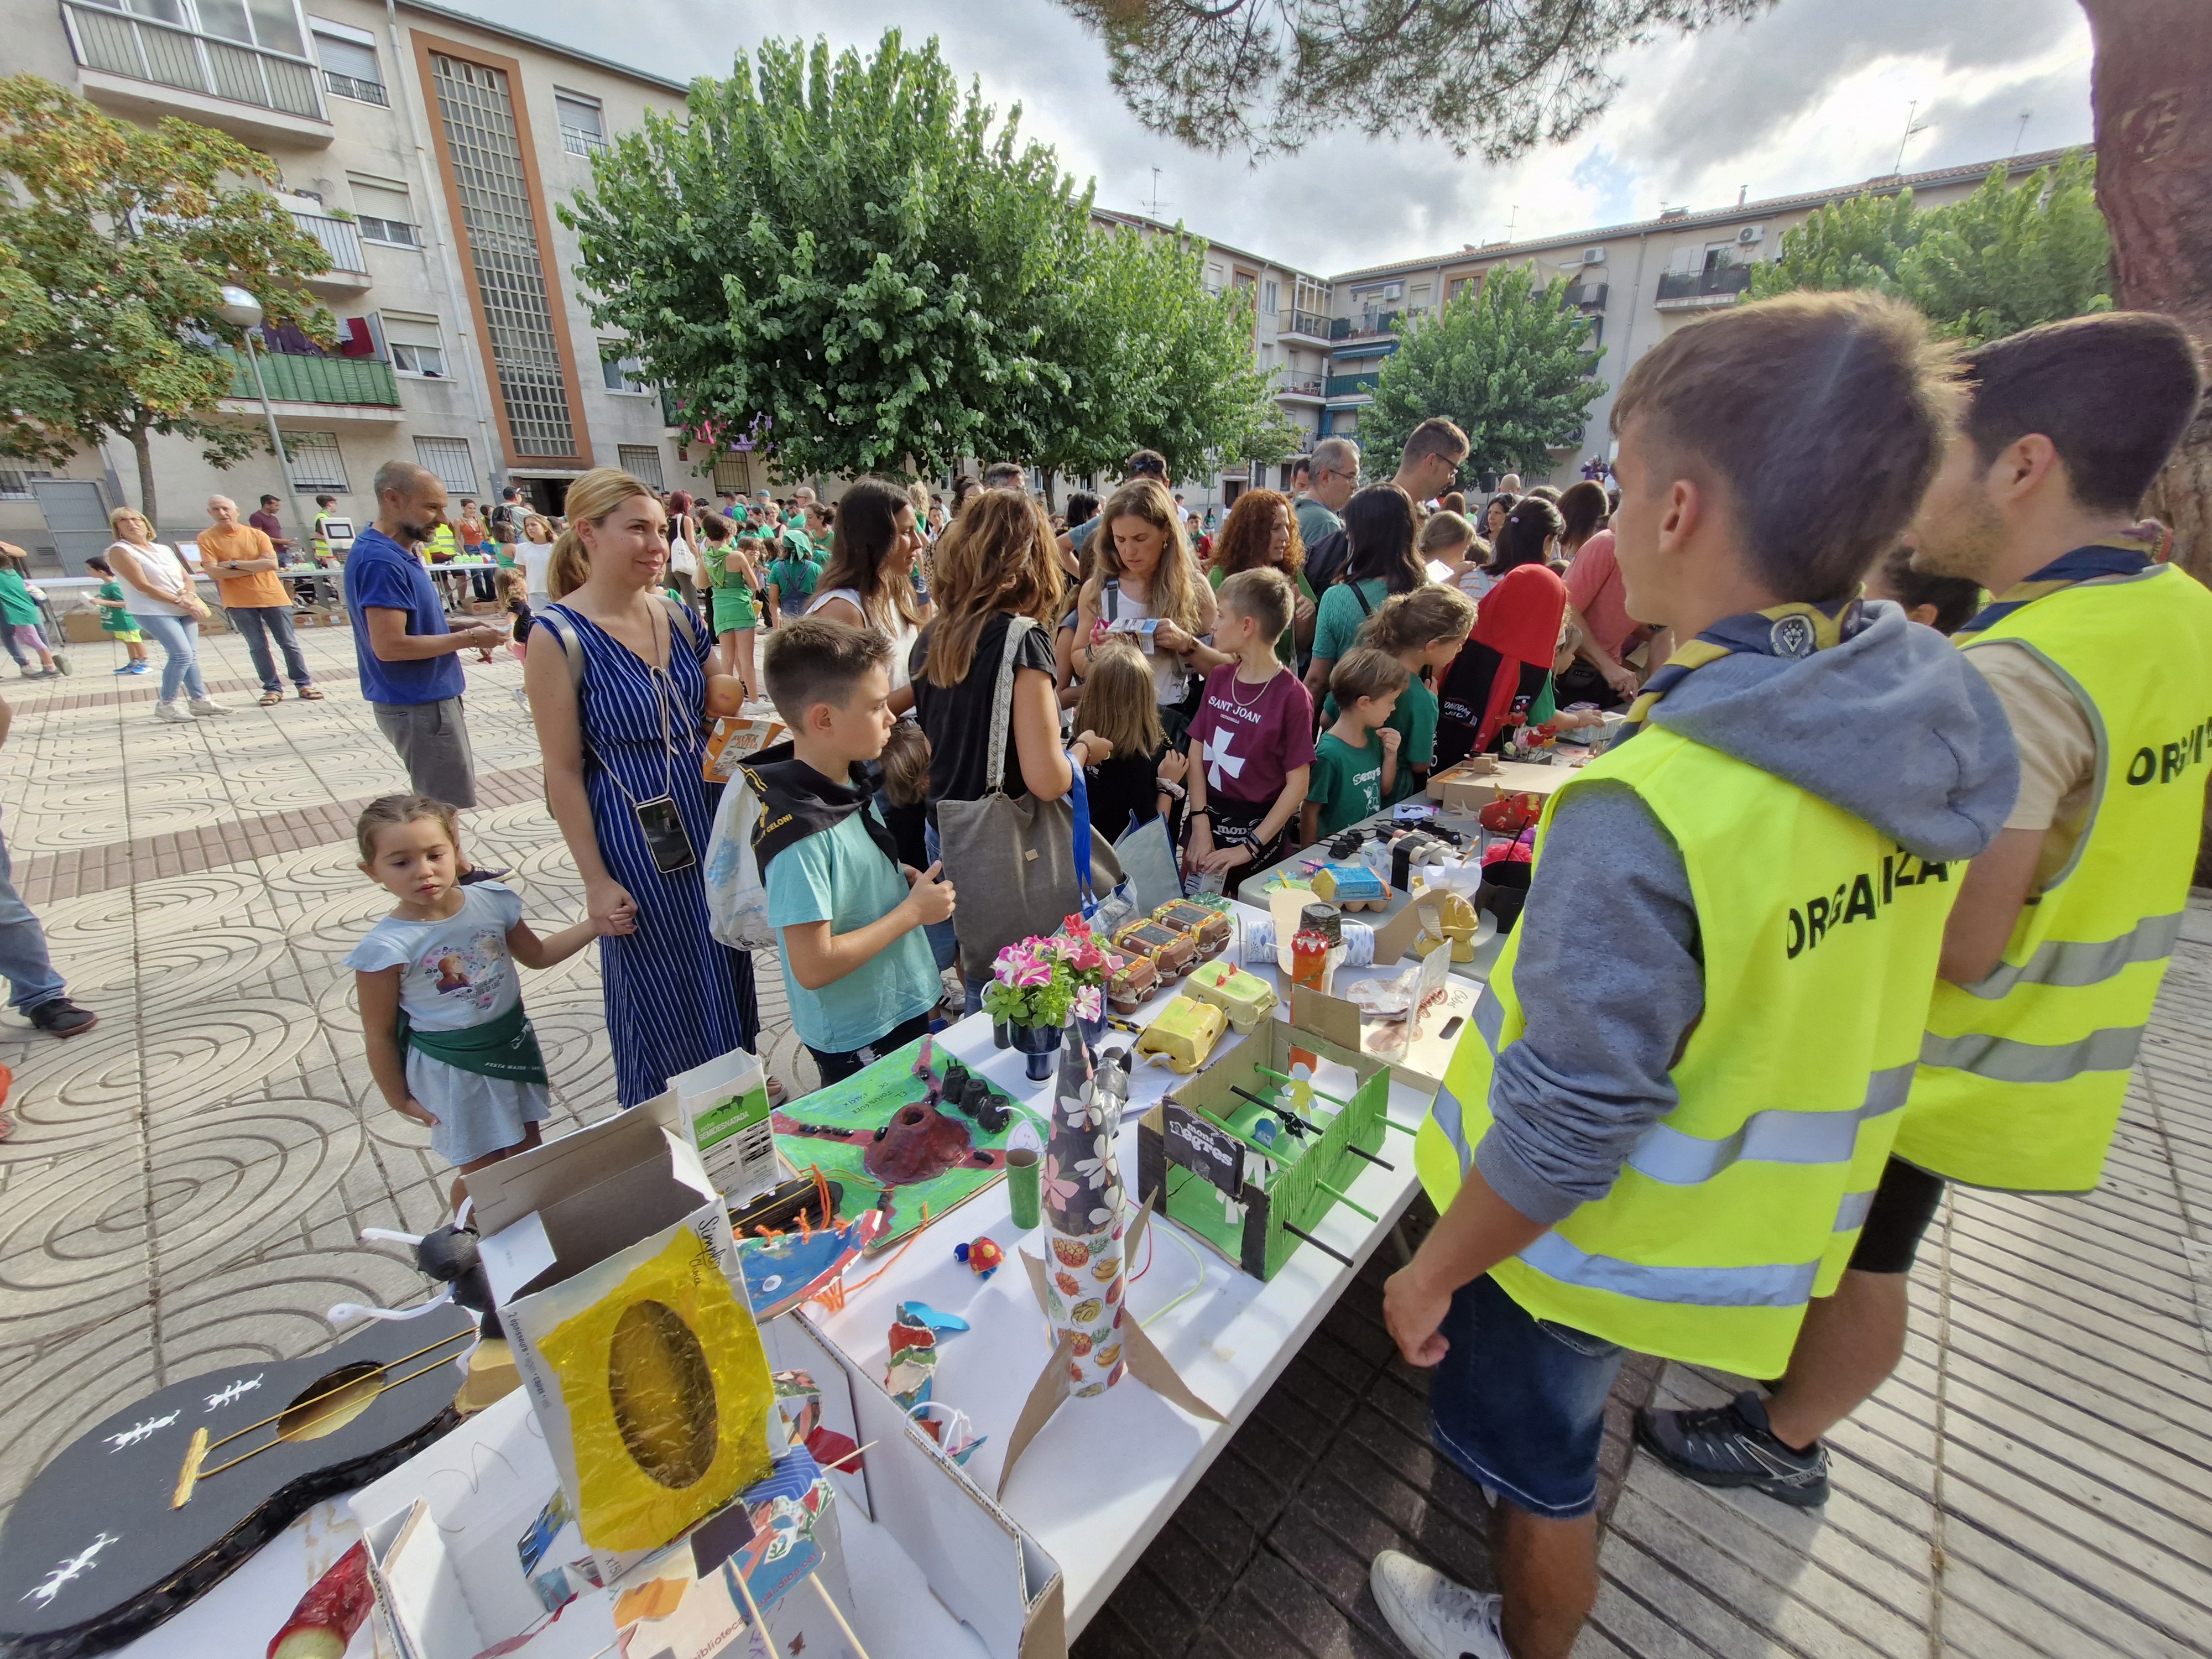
[(1183, 1034), (1350, 887), (1130, 982), (1212, 929), (1171, 950), (1244, 999)]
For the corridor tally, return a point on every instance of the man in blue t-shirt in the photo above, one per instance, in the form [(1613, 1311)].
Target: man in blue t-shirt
[(403, 648)]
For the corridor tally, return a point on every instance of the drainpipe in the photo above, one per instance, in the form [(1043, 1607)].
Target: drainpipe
[(1635, 304), (476, 373)]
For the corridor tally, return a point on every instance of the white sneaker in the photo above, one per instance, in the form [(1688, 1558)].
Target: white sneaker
[(205, 706), (1434, 1617), (170, 711)]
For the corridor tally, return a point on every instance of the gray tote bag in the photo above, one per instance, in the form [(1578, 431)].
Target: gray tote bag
[(1013, 859)]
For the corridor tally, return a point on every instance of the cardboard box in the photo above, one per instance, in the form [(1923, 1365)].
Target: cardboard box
[(82, 628), (1418, 1054), (724, 1111), (565, 1225), (1473, 784), (736, 736)]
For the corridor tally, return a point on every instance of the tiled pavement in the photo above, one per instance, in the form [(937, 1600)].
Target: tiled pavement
[(188, 1184)]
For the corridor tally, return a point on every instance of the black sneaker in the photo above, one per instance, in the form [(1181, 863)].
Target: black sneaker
[(1731, 1445), (63, 1018)]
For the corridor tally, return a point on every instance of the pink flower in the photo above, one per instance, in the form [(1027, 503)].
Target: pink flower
[(1090, 1003), (1030, 971), (1060, 1189)]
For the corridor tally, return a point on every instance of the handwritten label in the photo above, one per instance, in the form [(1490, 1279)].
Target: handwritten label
[(1198, 1144)]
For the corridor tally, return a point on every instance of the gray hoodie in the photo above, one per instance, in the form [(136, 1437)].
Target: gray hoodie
[(1894, 727)]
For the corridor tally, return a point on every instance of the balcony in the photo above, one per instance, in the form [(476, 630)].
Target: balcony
[(1308, 325), (361, 92), (1702, 290), (341, 239), (1353, 386), (143, 68), (1375, 325), (323, 387), (1585, 296), (1302, 387)]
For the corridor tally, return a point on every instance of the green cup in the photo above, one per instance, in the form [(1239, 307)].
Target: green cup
[(1023, 1192)]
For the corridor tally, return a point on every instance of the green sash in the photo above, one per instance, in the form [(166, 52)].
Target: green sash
[(506, 1048)]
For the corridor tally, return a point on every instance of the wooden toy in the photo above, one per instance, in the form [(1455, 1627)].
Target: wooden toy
[(1352, 887), (1244, 998), (1129, 981), (1184, 1033), (1212, 929), (1171, 951)]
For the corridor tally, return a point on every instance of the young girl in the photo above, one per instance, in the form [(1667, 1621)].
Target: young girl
[(448, 1042), (1143, 571), (115, 617), (476, 535), (1423, 629), (514, 600), (1142, 779), (19, 612), (733, 579)]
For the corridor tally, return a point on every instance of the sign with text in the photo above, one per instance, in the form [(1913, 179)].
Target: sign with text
[(1198, 1144)]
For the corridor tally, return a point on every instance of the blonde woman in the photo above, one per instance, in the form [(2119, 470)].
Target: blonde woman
[(622, 752), (1143, 572), (167, 607), (534, 553)]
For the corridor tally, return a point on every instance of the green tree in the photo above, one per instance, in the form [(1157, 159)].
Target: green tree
[(1508, 364), (115, 243), (2006, 258), (1484, 75)]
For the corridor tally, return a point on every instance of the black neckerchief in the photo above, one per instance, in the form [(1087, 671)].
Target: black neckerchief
[(797, 801)]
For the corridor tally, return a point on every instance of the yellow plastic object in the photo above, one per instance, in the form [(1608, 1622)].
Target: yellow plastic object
[(668, 1394), (1184, 1033), (1244, 999), (1446, 915)]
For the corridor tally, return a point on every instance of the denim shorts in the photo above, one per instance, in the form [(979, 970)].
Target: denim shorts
[(1519, 1402)]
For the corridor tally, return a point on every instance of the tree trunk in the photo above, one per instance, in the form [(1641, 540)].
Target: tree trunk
[(142, 445), (2151, 90)]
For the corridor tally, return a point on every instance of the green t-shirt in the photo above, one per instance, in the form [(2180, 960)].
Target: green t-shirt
[(17, 607), (1347, 782), (1414, 719), (1341, 616), (841, 877), (1315, 522), (116, 622), (721, 575), (1287, 646), (794, 579)]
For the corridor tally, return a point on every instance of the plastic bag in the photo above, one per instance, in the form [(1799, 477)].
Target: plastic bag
[(667, 1390), (736, 902)]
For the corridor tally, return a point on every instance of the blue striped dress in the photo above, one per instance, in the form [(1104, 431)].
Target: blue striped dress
[(675, 996)]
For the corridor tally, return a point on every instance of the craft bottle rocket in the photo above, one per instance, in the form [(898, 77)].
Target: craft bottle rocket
[(1086, 1277)]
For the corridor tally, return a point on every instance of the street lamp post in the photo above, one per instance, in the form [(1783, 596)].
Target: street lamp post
[(243, 312)]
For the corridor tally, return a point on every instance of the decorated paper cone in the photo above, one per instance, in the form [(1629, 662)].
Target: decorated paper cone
[(1086, 1276)]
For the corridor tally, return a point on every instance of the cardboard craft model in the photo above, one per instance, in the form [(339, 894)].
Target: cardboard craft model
[(1081, 1286)]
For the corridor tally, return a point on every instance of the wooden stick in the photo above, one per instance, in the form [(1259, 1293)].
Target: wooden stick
[(849, 1455), (383, 1365), (836, 1612), (759, 1619), (188, 1477)]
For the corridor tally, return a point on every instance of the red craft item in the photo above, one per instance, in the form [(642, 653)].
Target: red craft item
[(1511, 814), (324, 1623), (984, 1256), (834, 1450)]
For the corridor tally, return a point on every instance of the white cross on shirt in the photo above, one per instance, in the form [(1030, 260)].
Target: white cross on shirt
[(1219, 760)]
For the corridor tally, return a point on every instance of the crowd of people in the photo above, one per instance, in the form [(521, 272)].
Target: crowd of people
[(1843, 912)]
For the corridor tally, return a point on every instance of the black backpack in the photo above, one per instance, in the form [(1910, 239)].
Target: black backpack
[(1326, 559)]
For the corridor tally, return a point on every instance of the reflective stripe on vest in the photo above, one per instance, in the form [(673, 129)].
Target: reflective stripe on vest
[(2023, 1075), (1819, 943)]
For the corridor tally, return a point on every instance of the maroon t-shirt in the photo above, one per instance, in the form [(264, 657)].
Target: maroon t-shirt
[(1254, 735)]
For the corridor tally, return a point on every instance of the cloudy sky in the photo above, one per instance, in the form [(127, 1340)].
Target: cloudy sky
[(1813, 94)]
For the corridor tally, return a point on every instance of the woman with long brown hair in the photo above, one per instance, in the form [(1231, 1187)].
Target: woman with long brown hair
[(869, 581), (1262, 529), (995, 565), (1142, 572)]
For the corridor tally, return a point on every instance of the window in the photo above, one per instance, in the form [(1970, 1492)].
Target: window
[(450, 459), (583, 124), (733, 472), (382, 213), (641, 462), (1271, 297), (416, 344), (349, 66), (15, 482), (619, 372), (313, 461)]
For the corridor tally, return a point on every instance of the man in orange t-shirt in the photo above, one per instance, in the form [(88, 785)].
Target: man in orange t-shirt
[(243, 561)]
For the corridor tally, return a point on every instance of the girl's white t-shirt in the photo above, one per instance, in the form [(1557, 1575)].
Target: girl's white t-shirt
[(456, 973), (900, 632), (1171, 679), (536, 559)]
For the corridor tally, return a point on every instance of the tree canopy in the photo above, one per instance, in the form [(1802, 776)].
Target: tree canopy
[(859, 264), (115, 243), (1494, 77), (2006, 258), (1507, 364)]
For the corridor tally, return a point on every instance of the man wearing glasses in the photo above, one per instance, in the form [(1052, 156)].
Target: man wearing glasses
[(1333, 477)]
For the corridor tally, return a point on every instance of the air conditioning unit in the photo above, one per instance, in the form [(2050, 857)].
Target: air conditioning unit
[(1751, 233), (1593, 256), (1391, 291)]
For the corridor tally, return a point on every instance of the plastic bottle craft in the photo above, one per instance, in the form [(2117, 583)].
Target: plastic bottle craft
[(1083, 1224)]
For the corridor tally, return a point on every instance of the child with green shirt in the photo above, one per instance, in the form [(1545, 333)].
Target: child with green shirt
[(1355, 765), (1424, 630), (791, 578), (19, 612), (856, 963), (115, 617)]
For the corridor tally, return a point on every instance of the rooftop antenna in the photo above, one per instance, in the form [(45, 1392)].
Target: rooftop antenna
[(1156, 194), (1512, 221), (1741, 190), (2019, 133), (1910, 128)]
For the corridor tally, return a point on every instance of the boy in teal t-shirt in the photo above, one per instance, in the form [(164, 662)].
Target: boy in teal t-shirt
[(115, 617), (857, 965), (1356, 761)]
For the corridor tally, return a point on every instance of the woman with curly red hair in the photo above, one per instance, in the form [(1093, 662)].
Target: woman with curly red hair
[(1261, 531)]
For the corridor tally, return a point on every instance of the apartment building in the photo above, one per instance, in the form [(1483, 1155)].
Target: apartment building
[(426, 150)]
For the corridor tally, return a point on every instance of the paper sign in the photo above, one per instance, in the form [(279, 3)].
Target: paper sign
[(1197, 1145)]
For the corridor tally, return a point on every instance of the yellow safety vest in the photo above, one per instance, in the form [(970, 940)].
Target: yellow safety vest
[(322, 538), (444, 544), (1820, 937), (2022, 1075)]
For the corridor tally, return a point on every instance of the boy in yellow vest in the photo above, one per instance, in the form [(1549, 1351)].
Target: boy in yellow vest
[(2102, 655), (1675, 1096)]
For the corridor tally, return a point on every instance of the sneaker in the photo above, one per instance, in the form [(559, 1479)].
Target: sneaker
[(63, 1018), (128, 668), (1434, 1617), (138, 668), (171, 711), (1732, 1445), (206, 706)]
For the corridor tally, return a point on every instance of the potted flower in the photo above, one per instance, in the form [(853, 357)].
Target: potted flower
[(1077, 946), (1031, 992)]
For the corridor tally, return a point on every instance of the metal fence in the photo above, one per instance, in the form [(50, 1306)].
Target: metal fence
[(341, 239), (315, 379), (146, 50)]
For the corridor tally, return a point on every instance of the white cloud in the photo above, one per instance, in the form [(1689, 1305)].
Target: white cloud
[(1813, 94)]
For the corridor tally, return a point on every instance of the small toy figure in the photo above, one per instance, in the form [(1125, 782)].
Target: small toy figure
[(983, 1256), (1244, 999), (1352, 887), (1184, 1033)]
